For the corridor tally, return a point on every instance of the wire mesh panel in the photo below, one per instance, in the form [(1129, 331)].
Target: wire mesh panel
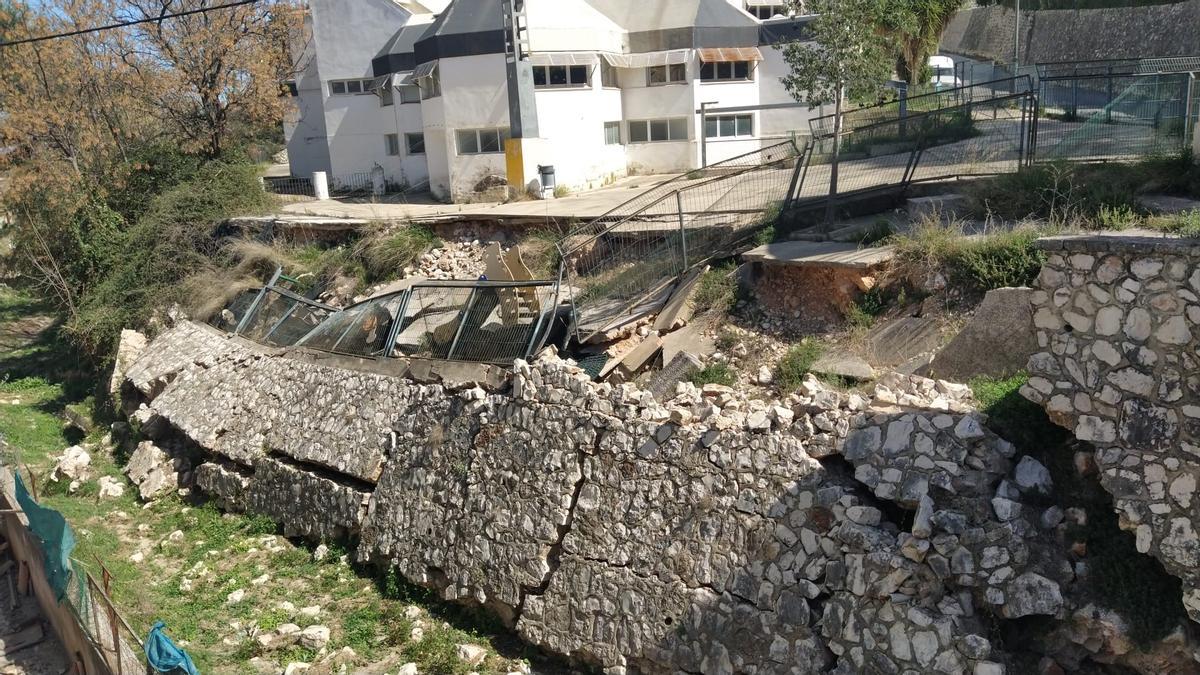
[(281, 318), (289, 185), (1110, 116), (900, 108), (360, 330), (228, 318), (483, 322), (613, 268), (649, 203)]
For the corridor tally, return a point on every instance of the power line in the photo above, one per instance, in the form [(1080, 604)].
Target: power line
[(97, 29)]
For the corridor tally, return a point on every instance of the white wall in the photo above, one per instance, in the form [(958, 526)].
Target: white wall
[(474, 96), (571, 121), (722, 95)]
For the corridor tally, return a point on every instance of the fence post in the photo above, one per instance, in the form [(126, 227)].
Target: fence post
[(462, 324), (257, 301), (320, 185), (397, 325), (1109, 102), (682, 229)]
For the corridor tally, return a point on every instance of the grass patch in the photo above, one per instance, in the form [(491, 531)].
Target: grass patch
[(716, 373), (385, 255), (717, 290), (975, 264), (796, 363)]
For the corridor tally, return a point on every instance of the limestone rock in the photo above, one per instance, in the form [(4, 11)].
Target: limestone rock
[(152, 470), (1030, 594), (71, 465), (314, 637), (1031, 476), (472, 655), (110, 488)]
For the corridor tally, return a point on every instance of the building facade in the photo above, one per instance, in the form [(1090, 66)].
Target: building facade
[(419, 89)]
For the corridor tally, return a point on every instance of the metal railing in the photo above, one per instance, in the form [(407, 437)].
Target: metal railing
[(622, 264), (289, 185), (483, 321), (118, 644)]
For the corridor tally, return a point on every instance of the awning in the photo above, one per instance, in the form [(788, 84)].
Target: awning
[(766, 3), (379, 83), (649, 59), (727, 54), (420, 72), (563, 58)]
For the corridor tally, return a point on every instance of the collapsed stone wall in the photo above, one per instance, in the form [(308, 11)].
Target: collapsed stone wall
[(708, 533), (1117, 322)]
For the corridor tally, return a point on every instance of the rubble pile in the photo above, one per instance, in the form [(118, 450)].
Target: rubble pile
[(713, 531)]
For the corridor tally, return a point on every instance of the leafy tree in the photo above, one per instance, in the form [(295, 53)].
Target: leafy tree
[(917, 26), (849, 58)]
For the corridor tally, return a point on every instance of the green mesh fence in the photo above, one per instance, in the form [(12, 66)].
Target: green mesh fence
[(1113, 116), (56, 538)]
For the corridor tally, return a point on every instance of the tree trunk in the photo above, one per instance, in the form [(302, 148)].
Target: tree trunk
[(839, 100)]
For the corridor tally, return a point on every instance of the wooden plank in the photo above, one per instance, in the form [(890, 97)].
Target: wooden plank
[(820, 254), (640, 355), (678, 309)]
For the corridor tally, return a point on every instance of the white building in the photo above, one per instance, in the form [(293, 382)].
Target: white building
[(420, 89)]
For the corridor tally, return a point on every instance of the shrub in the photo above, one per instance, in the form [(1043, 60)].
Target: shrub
[(976, 264), (716, 290), (385, 255), (796, 363), (716, 373)]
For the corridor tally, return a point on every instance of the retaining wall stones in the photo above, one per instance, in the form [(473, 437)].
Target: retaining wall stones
[(1117, 321), (708, 533), (1077, 35)]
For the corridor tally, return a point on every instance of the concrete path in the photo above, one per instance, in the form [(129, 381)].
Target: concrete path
[(423, 208)]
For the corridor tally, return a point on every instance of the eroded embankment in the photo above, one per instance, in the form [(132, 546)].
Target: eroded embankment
[(710, 534)]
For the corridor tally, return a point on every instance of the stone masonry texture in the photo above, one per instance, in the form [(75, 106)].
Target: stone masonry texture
[(1118, 322), (824, 532)]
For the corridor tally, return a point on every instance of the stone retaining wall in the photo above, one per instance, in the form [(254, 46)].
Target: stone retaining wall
[(1077, 35), (708, 533), (1117, 321)]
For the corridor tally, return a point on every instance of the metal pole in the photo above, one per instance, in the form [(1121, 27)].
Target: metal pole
[(1016, 46), (257, 301), (462, 324), (704, 135), (682, 229), (394, 333)]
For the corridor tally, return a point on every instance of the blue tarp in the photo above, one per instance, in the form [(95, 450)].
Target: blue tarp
[(57, 539), (165, 656)]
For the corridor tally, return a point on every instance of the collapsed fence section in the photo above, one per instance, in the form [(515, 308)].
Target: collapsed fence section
[(482, 321), (983, 137), (615, 269)]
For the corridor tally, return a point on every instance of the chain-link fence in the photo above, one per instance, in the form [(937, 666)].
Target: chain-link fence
[(624, 263)]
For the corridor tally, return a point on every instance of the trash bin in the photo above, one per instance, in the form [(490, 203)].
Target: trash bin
[(546, 174)]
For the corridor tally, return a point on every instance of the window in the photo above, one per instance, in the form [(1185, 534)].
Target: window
[(608, 75), (672, 74), (560, 76), (410, 93), (386, 96), (655, 131), (415, 143), (289, 88), (765, 12), (431, 86), (392, 143), (349, 87), (728, 126), (481, 141), (725, 70), (612, 133)]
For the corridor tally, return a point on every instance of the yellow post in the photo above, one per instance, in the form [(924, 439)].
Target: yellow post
[(514, 161)]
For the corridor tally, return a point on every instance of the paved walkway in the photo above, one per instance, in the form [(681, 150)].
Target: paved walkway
[(423, 208)]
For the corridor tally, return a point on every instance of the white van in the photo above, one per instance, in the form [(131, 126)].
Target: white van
[(943, 73)]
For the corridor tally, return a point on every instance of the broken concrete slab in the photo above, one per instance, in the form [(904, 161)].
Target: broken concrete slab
[(890, 343), (997, 341), (637, 358), (942, 207), (846, 366), (820, 254), (679, 308)]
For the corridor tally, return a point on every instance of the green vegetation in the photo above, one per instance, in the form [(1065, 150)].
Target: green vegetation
[(796, 363), (1087, 196), (975, 264), (1130, 583), (385, 254), (715, 373), (717, 290)]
